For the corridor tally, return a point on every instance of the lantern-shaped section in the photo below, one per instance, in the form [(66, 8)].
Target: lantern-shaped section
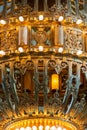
[(55, 81)]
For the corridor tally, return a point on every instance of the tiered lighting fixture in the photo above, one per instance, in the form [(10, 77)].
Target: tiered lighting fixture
[(43, 56)]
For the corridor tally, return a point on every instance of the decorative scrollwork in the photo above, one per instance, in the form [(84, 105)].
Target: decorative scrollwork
[(73, 40), (71, 93), (64, 65), (52, 63), (23, 66), (54, 103), (8, 40)]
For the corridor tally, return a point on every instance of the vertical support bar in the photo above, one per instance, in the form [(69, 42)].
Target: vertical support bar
[(56, 2), (5, 8), (24, 2), (45, 85), (59, 4), (85, 5), (13, 83), (35, 5), (56, 35), (12, 6), (3, 70), (45, 81), (78, 70), (69, 7), (36, 83), (77, 7), (70, 69), (61, 35), (45, 5)]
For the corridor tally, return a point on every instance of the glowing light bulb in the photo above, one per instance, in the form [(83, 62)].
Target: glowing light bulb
[(28, 128), (41, 17), (60, 18), (3, 22), (60, 49), (21, 19), (59, 128), (20, 49), (34, 128), (53, 128), (79, 52), (2, 52), (22, 128), (40, 127), (47, 127), (40, 48), (79, 21), (64, 128)]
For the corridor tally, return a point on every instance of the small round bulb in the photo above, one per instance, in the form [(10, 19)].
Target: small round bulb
[(21, 19), (3, 22), (60, 50), (2, 52), (59, 128), (79, 52), (28, 128), (22, 128), (20, 49), (79, 21), (41, 17), (60, 19), (47, 127), (40, 127), (40, 48)]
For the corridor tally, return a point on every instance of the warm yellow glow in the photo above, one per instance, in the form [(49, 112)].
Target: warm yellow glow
[(40, 48), (47, 127), (59, 128), (79, 52), (60, 49), (41, 17), (64, 128), (40, 127), (3, 22), (21, 19), (60, 18), (40, 124), (79, 21), (53, 128), (34, 128), (55, 81), (20, 49), (28, 128), (22, 128), (2, 52)]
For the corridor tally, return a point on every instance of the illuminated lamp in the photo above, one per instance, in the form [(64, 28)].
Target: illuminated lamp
[(55, 81)]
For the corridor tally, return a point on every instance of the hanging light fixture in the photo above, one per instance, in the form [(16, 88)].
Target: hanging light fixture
[(33, 44)]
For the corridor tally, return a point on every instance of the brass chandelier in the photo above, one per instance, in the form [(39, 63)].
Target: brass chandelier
[(43, 65)]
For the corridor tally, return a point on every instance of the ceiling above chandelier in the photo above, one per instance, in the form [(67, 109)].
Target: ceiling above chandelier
[(43, 65)]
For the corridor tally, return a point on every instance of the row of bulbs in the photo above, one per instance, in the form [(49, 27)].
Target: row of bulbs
[(41, 49), (40, 17), (41, 128), (60, 19)]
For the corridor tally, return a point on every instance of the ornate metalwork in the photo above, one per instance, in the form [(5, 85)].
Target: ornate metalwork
[(17, 101), (73, 40), (8, 40)]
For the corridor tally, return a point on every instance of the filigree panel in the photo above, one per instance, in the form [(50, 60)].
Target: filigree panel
[(40, 35), (8, 40), (73, 39)]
